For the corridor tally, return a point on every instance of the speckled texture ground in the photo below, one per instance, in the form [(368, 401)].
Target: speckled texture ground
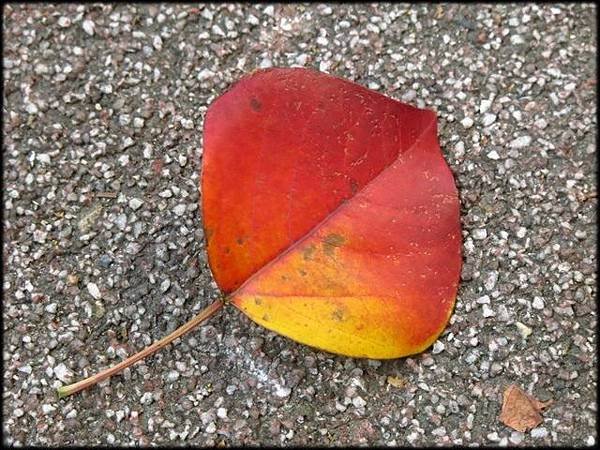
[(103, 109)]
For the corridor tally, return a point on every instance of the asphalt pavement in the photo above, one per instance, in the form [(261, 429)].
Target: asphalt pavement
[(103, 108)]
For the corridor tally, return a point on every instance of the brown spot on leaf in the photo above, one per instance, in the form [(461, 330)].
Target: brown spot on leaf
[(338, 314), (332, 241), (257, 301), (308, 252), (255, 104)]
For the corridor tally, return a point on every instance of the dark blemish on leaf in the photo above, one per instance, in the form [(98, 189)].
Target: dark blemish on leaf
[(257, 301), (266, 317), (302, 272), (308, 252), (338, 315), (331, 241), (240, 241), (227, 250), (353, 186), (255, 104)]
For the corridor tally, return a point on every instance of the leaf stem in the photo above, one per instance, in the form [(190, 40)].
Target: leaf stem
[(206, 313)]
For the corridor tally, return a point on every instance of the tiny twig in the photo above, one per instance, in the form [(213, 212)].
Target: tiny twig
[(206, 313)]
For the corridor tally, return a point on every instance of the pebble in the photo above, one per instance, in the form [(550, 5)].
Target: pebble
[(538, 433), (88, 26), (488, 119), (467, 122), (135, 203), (172, 376), (179, 209), (94, 291), (493, 155), (359, 402), (164, 286), (479, 234), (63, 373), (520, 142), (538, 303)]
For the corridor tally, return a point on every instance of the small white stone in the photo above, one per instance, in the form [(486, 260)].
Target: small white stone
[(459, 149), (124, 160), (63, 373), (479, 234), (138, 122), (323, 41), (31, 108), (187, 124), (221, 413), (359, 402), (93, 290), (488, 119), (64, 22), (211, 428), (516, 39), (18, 412), (47, 409), (520, 142), (282, 391), (488, 312), (467, 122), (165, 285), (484, 106), (179, 209), (157, 42), (173, 375), (493, 155), (483, 300), (166, 193), (127, 142), (538, 303), (135, 203), (539, 432), (265, 63), (438, 347), (88, 27), (25, 369), (516, 437), (204, 74)]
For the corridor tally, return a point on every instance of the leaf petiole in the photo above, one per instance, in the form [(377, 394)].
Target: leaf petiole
[(205, 314)]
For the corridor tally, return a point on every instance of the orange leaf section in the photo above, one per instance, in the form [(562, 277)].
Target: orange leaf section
[(282, 150), (330, 213), (521, 411)]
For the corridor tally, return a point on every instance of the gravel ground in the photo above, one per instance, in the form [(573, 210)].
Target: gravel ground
[(103, 243)]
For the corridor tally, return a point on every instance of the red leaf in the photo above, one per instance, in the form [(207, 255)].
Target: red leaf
[(330, 214)]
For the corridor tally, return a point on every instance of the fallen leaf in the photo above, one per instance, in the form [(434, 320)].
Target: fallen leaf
[(397, 382), (331, 216), (521, 411)]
